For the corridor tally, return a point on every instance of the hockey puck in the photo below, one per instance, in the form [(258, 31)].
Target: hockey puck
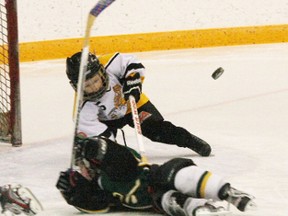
[(217, 73)]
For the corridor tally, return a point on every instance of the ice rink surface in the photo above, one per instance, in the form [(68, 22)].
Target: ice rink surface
[(243, 115)]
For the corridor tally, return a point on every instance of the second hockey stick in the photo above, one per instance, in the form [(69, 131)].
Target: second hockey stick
[(138, 130), (94, 12)]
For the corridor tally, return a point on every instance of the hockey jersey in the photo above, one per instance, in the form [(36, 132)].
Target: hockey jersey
[(111, 105), (133, 194)]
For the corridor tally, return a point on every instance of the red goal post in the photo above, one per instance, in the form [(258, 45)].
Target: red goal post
[(10, 109)]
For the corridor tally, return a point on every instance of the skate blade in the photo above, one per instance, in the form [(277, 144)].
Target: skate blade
[(34, 204), (251, 206), (222, 213)]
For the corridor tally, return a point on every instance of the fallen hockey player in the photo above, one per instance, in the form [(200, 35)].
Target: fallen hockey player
[(112, 176), (16, 199)]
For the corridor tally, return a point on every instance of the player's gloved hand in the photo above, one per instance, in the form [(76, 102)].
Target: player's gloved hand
[(85, 195), (68, 180), (86, 155), (69, 183), (90, 148), (81, 150), (86, 148), (132, 86)]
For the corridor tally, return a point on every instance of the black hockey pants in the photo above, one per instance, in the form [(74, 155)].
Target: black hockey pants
[(155, 128)]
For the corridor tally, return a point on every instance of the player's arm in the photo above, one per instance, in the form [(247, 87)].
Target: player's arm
[(122, 65), (133, 77), (129, 71)]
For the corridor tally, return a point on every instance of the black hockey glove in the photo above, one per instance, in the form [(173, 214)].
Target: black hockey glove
[(85, 195), (81, 151), (101, 154), (132, 86), (68, 182), (87, 148)]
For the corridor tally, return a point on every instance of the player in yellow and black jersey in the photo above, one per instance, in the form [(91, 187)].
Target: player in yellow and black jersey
[(110, 79)]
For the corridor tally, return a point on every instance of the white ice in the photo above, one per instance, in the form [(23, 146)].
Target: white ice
[(243, 115)]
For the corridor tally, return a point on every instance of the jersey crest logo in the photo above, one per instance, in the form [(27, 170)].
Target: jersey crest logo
[(118, 96)]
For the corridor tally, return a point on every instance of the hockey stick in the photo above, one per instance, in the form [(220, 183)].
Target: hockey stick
[(94, 12), (138, 130)]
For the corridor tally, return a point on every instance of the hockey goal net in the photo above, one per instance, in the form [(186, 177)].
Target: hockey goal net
[(10, 113)]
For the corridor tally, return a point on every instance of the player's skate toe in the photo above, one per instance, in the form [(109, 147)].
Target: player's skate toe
[(205, 150), (202, 149), (241, 200), (246, 204), (199, 146)]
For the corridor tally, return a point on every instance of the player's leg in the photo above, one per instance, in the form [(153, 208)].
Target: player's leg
[(200, 183), (157, 129), (184, 176)]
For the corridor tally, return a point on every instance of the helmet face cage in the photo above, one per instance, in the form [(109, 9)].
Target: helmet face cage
[(105, 80), (93, 67)]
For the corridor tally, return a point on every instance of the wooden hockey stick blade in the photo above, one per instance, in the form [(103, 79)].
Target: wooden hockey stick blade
[(90, 22), (100, 6), (94, 12)]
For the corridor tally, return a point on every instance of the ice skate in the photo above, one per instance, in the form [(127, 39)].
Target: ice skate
[(242, 201), (199, 146), (210, 209), (17, 199), (204, 149)]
